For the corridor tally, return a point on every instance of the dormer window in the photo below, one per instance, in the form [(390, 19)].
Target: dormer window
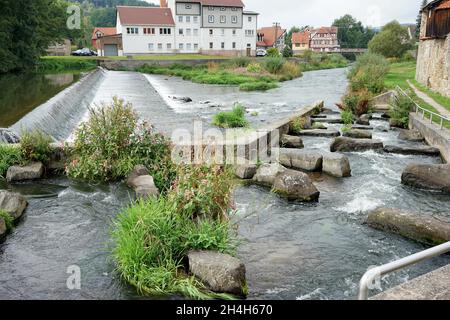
[(188, 6), (223, 9), (99, 34)]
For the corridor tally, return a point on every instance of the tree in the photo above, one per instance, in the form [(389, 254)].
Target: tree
[(392, 42), (287, 52), (419, 18), (352, 33)]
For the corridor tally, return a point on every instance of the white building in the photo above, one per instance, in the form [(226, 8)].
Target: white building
[(214, 27)]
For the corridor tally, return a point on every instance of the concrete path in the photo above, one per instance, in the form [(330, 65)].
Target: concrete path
[(431, 286), (441, 109)]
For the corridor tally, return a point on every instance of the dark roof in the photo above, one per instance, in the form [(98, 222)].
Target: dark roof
[(145, 16), (439, 4)]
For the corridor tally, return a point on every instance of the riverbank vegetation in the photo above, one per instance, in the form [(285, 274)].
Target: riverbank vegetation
[(9, 220), (9, 156), (231, 119), (312, 61), (73, 64)]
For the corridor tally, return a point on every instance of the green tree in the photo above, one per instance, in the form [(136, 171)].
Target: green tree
[(392, 42), (419, 18), (352, 33)]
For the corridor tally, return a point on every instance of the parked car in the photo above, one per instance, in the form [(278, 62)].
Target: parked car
[(85, 52), (261, 53)]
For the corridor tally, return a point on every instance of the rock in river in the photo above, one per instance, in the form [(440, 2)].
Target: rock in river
[(418, 151), (265, 175), (336, 165), (301, 159), (329, 120), (13, 203), (295, 185), (140, 180), (411, 135), (361, 127), (183, 99), (246, 171), (7, 136), (428, 176), (422, 228), (138, 171), (343, 144), (219, 272), (291, 142), (364, 120), (358, 134), (320, 133), (30, 172)]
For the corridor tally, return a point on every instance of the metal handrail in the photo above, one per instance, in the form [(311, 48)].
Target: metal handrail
[(378, 272), (432, 114)]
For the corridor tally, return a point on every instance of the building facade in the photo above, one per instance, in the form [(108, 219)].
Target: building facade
[(324, 40), (99, 33), (301, 41), (214, 27), (433, 58)]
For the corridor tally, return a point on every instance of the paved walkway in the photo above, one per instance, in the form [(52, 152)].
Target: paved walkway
[(441, 109)]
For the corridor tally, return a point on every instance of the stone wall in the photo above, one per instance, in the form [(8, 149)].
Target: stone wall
[(131, 64), (436, 137), (433, 63)]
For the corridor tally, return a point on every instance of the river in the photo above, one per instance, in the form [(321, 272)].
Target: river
[(291, 251)]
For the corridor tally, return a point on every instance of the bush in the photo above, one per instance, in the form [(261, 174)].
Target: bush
[(9, 220), (56, 64), (35, 146), (287, 52), (392, 42), (201, 191), (359, 102), (400, 108), (240, 62), (254, 68), (369, 73), (232, 119), (273, 53), (257, 86), (347, 117), (9, 156), (274, 64), (291, 70), (297, 125), (112, 142)]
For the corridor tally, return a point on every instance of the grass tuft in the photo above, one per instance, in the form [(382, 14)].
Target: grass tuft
[(232, 119)]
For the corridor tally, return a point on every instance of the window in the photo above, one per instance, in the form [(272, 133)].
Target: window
[(169, 46), (149, 31), (160, 46), (210, 8), (181, 46), (188, 47), (223, 19), (196, 32), (188, 6), (188, 19), (249, 19), (196, 19), (211, 45), (211, 19), (222, 45), (151, 47), (132, 30), (180, 18), (165, 31), (180, 32), (99, 35), (188, 32), (234, 19), (195, 46), (223, 32), (249, 45), (234, 32), (249, 33), (234, 9), (211, 32), (234, 45)]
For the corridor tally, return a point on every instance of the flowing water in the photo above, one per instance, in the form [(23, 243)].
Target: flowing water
[(291, 250)]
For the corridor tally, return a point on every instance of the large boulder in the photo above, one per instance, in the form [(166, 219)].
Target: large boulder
[(7, 136), (320, 133), (291, 142), (301, 159), (58, 157), (361, 127), (428, 176), (420, 150), (329, 120), (344, 144), (358, 134), (12, 203), (219, 272), (295, 185), (246, 171), (421, 228), (137, 172), (336, 165), (396, 123), (364, 120), (30, 172), (266, 173), (411, 135), (145, 187)]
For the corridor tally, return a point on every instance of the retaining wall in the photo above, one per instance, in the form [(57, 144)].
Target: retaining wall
[(436, 137), (133, 64)]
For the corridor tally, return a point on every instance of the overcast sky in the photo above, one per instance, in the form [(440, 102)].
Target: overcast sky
[(318, 13)]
